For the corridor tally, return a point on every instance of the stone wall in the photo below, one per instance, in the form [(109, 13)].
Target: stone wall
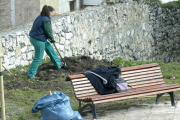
[(127, 30), (166, 32)]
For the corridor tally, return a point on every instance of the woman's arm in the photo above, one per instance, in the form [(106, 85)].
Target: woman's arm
[(48, 31)]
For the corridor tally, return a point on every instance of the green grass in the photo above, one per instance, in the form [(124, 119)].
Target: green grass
[(25, 98), (129, 63), (156, 1), (166, 5), (20, 71), (171, 4)]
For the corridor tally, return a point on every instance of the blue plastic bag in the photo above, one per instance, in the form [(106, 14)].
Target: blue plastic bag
[(56, 107)]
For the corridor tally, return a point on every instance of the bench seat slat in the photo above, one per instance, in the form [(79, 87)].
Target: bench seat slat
[(84, 88), (146, 85), (135, 92), (86, 80), (88, 94), (87, 91), (146, 82), (130, 91), (80, 79), (142, 70), (75, 77), (77, 83), (139, 67), (143, 76), (80, 90), (141, 73), (145, 79), (136, 89), (135, 96), (81, 86), (140, 88)]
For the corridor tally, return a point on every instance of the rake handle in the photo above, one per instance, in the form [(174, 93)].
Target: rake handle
[(57, 50), (59, 53), (8, 70)]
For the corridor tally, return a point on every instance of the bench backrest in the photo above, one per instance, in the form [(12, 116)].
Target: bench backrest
[(143, 75), (137, 77)]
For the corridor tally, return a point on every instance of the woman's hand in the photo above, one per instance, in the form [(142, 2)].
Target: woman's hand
[(52, 41)]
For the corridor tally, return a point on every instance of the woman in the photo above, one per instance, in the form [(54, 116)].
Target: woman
[(40, 32)]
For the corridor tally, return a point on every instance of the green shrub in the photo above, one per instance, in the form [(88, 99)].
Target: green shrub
[(166, 5), (171, 4)]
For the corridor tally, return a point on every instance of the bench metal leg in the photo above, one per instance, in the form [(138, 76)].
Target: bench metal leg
[(94, 111), (80, 106), (158, 98), (172, 98), (90, 105)]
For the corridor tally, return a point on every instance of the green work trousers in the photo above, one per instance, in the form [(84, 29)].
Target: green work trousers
[(39, 47)]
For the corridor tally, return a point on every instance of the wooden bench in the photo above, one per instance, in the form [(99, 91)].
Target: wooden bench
[(145, 80)]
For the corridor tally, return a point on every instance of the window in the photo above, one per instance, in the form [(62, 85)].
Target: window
[(71, 6)]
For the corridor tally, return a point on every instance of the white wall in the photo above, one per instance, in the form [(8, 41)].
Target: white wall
[(61, 6), (64, 6), (92, 2), (53, 3), (77, 6)]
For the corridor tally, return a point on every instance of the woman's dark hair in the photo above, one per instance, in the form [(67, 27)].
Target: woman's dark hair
[(46, 9)]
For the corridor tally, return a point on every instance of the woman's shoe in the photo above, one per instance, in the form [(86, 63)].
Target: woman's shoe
[(63, 66)]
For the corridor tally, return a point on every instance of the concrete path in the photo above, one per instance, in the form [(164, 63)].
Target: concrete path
[(162, 111)]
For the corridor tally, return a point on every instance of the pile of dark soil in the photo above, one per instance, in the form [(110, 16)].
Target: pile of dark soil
[(47, 74), (50, 85), (77, 65)]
